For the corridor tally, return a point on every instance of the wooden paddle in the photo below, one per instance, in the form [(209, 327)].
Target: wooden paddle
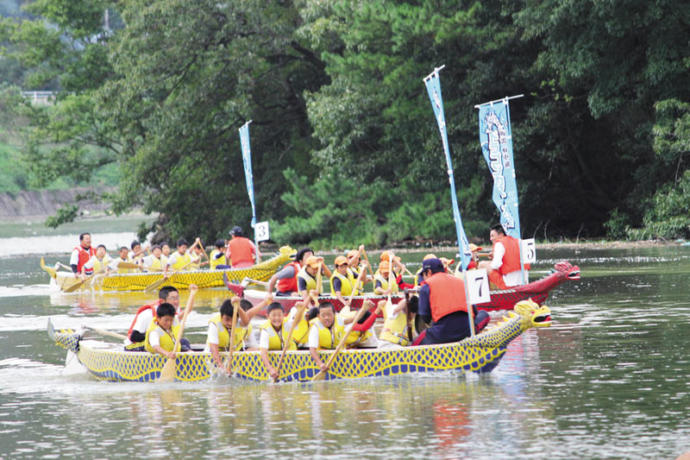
[(319, 278), (359, 280), (246, 280), (170, 369), (322, 373), (78, 284), (371, 270), (156, 284), (106, 333), (127, 265), (286, 345), (235, 308)]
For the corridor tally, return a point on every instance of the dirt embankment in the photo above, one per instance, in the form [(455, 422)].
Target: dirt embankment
[(44, 202)]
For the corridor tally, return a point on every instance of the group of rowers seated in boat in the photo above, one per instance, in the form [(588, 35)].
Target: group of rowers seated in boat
[(238, 252), (311, 325)]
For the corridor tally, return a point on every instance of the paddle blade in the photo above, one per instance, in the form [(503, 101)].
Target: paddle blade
[(320, 376), (76, 286), (168, 372), (155, 285)]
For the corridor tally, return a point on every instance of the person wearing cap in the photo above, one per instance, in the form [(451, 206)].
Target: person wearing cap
[(474, 263), (180, 258), (274, 335), (156, 261), (442, 300), (353, 261), (286, 278), (342, 281), (241, 252), (306, 278), (217, 256), (398, 270), (381, 286), (418, 278), (504, 268)]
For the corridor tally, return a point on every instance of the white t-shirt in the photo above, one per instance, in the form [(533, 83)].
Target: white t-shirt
[(313, 341), (148, 261), (263, 339), (74, 258)]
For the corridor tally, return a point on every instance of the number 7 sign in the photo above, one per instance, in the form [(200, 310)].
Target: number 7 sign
[(478, 286)]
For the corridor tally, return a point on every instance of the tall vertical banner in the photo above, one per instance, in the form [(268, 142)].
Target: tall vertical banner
[(497, 147), (433, 87), (247, 160)]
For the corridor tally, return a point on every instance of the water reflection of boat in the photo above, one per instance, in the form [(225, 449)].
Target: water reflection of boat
[(538, 291), (480, 353), (182, 280)]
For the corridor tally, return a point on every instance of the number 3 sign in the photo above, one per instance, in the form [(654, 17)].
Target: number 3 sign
[(261, 231)]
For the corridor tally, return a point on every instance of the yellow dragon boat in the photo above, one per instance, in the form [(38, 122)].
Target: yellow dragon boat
[(480, 353), (181, 280)]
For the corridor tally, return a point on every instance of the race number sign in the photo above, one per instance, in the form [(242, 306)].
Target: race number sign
[(478, 286), (529, 251), (261, 231)]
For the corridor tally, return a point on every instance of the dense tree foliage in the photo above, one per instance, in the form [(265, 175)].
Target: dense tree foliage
[(344, 143)]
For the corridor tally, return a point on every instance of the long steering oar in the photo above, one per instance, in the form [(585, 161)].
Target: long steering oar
[(106, 333), (322, 373), (235, 308), (156, 284), (362, 272), (295, 321), (170, 369), (78, 284)]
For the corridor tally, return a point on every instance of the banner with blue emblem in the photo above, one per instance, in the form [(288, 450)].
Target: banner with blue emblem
[(497, 146), (433, 87), (247, 160)]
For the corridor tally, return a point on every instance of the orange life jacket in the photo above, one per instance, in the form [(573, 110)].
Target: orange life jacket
[(289, 284), (84, 256), (142, 309), (446, 295), (241, 250), (511, 258)]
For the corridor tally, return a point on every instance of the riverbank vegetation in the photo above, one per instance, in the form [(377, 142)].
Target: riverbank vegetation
[(344, 143)]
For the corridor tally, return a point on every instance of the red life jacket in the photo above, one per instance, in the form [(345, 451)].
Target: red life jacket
[(289, 284), (511, 258), (84, 256), (142, 309), (241, 250), (446, 295)]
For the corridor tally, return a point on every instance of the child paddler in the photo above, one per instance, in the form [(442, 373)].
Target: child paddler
[(343, 280), (274, 335), (220, 328), (146, 314), (326, 331), (178, 259), (98, 263), (361, 335), (123, 256), (398, 329), (161, 334), (306, 278), (156, 261), (216, 259), (286, 280), (381, 286)]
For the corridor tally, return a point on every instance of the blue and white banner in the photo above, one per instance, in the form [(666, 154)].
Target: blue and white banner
[(497, 146), (433, 87), (247, 160)]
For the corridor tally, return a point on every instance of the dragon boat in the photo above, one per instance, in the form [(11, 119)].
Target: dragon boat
[(181, 280), (505, 299), (480, 353)]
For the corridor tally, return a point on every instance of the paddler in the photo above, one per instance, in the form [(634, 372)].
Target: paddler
[(381, 286), (98, 263), (342, 280), (286, 278), (216, 259), (165, 248), (178, 259), (325, 332), (123, 256), (156, 261), (81, 254), (398, 270), (398, 330), (162, 332), (241, 251), (146, 314), (504, 268), (274, 335), (442, 299), (220, 328), (137, 251), (474, 263), (306, 278), (361, 335)]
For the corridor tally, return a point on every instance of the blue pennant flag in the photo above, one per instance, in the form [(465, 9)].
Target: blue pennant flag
[(497, 146), (247, 160), (433, 87)]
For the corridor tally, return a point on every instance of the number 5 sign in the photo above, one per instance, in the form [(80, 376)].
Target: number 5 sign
[(261, 231), (529, 251), (478, 286)]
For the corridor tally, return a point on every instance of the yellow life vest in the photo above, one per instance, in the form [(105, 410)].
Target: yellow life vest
[(416, 277), (347, 283), (394, 329), (355, 337), (384, 282), (99, 266), (239, 337), (301, 333), (126, 270), (310, 280), (181, 261), (355, 274), (277, 341), (329, 338), (167, 341), (156, 264), (213, 262)]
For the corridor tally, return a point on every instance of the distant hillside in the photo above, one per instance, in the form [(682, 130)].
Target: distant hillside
[(42, 202)]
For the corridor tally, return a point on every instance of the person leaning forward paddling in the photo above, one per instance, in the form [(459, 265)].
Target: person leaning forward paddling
[(326, 331), (343, 280), (274, 336), (286, 279), (306, 278), (161, 334), (220, 329)]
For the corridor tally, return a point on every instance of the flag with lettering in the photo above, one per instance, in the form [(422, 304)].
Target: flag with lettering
[(247, 160)]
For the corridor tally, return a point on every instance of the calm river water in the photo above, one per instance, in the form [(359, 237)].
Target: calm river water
[(609, 379)]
